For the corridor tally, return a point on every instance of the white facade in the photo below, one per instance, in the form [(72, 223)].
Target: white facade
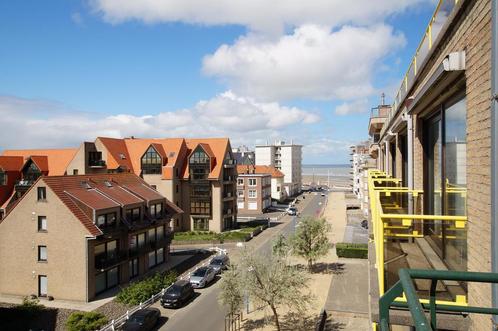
[(286, 158), (360, 163), (277, 189)]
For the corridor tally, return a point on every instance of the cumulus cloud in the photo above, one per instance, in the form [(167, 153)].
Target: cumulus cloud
[(353, 107), (31, 123), (312, 62), (257, 15)]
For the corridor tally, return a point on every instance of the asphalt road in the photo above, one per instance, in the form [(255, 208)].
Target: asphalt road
[(204, 312)]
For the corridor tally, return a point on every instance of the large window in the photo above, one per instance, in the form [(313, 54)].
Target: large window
[(106, 280), (151, 162), (95, 159), (156, 257), (133, 267), (252, 194), (201, 224), (133, 215), (199, 165), (106, 251), (106, 220), (3, 178), (445, 180), (200, 207), (156, 210), (31, 173), (252, 181)]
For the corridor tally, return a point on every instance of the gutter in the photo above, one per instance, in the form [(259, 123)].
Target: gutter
[(494, 158)]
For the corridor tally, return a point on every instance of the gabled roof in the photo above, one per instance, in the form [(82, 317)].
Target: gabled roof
[(11, 163), (117, 153), (41, 162), (57, 159), (87, 190), (259, 169), (214, 147)]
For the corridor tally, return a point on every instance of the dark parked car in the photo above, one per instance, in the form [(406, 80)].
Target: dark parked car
[(220, 263), (142, 320), (177, 294)]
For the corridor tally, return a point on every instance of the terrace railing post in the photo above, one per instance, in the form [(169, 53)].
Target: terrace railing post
[(432, 303)]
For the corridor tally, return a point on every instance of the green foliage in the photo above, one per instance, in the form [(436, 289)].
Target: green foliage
[(144, 289), (310, 240), (242, 234), (231, 290), (356, 251), (85, 321), (280, 246), (31, 306)]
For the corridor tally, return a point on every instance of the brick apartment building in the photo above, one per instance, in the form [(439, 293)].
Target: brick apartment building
[(198, 175), (75, 237), (253, 189), (436, 141)]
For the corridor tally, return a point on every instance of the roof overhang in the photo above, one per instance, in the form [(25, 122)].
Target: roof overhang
[(441, 82)]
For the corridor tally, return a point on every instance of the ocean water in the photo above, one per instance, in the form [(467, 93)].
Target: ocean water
[(332, 170)]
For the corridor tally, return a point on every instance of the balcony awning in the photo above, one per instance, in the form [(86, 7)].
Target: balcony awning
[(440, 83)]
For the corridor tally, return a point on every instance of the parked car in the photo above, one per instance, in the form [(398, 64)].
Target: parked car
[(142, 320), (202, 276), (220, 263), (292, 211), (177, 294)]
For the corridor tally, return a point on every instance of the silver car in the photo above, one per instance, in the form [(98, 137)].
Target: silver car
[(202, 276), (219, 263)]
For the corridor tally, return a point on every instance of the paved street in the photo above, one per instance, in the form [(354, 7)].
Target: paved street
[(204, 312)]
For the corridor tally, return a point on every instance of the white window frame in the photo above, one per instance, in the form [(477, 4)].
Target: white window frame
[(254, 181), (240, 194), (240, 181), (253, 196)]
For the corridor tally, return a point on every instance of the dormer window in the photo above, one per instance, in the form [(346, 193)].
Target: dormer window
[(199, 164), (3, 178), (32, 172), (106, 220), (151, 162)]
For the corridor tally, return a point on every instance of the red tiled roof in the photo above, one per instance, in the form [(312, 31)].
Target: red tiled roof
[(11, 163), (41, 162), (57, 159), (92, 198), (259, 169), (217, 147), (117, 153)]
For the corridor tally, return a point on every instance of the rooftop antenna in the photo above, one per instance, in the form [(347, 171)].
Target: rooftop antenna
[(383, 99)]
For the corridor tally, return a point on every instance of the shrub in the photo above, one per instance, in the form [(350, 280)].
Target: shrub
[(356, 251), (31, 305), (144, 289), (85, 321)]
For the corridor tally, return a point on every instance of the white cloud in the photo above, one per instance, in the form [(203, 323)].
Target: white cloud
[(31, 123), (258, 15), (353, 107), (312, 62)]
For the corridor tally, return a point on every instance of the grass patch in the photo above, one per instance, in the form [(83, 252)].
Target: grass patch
[(355, 251), (245, 233)]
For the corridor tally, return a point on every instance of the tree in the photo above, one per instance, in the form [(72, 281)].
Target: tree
[(271, 281), (231, 290), (310, 240), (280, 246)]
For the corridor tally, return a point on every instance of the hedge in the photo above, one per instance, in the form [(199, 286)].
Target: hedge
[(144, 289), (355, 251), (85, 321)]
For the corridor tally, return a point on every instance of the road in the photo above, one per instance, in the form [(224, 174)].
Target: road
[(204, 312)]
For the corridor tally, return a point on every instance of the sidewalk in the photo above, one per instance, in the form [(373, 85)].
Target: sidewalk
[(347, 299)]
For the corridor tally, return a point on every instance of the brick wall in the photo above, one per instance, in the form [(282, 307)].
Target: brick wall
[(471, 31)]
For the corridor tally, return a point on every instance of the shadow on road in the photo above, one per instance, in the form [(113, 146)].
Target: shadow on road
[(162, 320)]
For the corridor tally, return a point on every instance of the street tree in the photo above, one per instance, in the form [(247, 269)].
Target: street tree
[(271, 281), (231, 295), (280, 246), (310, 240)]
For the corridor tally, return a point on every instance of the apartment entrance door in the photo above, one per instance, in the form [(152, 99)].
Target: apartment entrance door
[(42, 286)]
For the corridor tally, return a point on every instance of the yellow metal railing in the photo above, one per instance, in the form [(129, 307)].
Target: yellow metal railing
[(439, 17), (395, 210)]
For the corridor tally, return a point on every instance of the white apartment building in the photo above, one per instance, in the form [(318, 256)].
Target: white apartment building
[(285, 157), (361, 161)]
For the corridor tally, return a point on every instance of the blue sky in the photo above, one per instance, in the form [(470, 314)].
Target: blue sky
[(71, 70)]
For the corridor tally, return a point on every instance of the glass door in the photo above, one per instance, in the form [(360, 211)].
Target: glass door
[(433, 187)]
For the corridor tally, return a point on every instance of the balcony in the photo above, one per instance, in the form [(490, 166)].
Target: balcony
[(96, 163), (228, 196), (105, 261), (405, 238), (24, 183), (378, 117)]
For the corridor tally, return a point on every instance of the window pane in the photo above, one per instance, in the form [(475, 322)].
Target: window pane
[(42, 253), (141, 240), (152, 259), (42, 223), (100, 282), (112, 277), (101, 220), (160, 232), (160, 255), (152, 235)]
